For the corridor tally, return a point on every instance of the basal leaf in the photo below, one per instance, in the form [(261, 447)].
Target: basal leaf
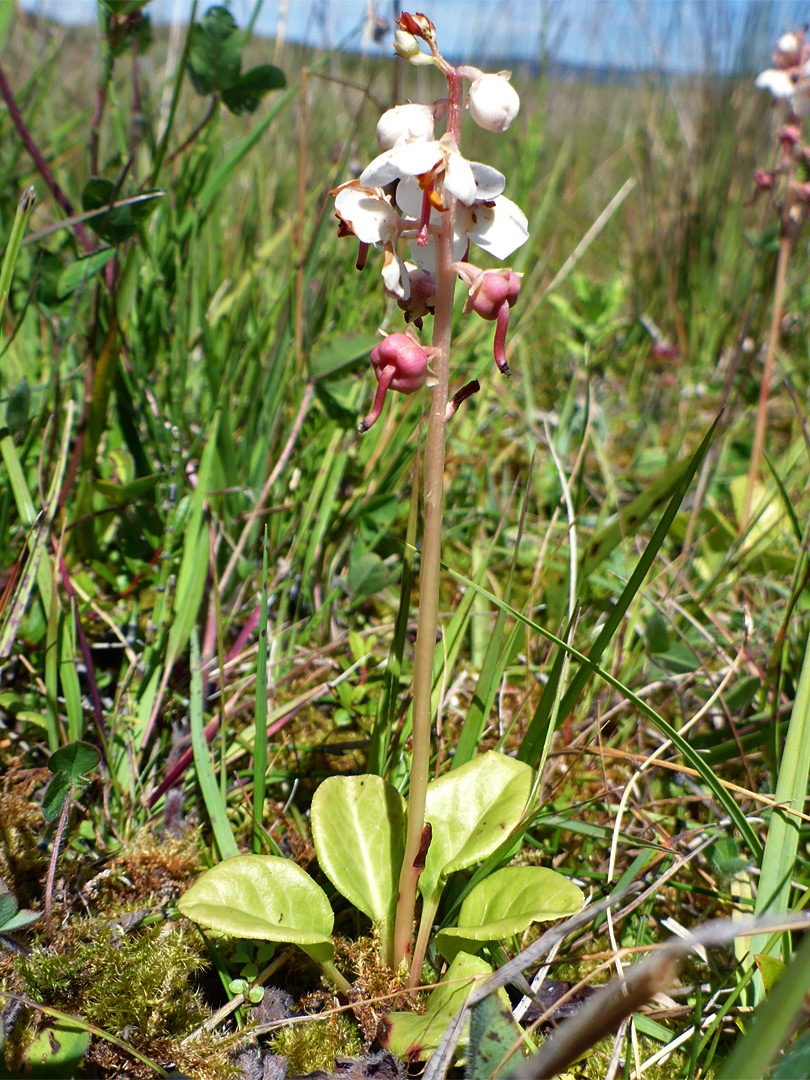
[(81, 270), (506, 903), (413, 1036), (471, 810), (358, 828), (215, 54), (74, 760), (265, 898)]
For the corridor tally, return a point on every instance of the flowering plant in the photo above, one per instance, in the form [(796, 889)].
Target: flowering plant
[(378, 851)]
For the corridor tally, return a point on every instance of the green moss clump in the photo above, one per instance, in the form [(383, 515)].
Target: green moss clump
[(315, 1044), (137, 986)]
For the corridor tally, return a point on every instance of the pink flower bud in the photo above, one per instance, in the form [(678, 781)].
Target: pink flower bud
[(491, 294), (400, 363), (764, 179), (421, 296), (493, 102), (789, 135)]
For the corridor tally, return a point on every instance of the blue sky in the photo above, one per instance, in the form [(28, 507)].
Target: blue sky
[(677, 35)]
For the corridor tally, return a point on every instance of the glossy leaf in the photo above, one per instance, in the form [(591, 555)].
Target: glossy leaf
[(506, 903), (118, 223), (265, 898), (358, 828), (492, 1035), (471, 811), (56, 1050), (367, 575), (412, 1036)]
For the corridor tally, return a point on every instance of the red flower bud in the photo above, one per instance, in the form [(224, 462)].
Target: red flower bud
[(400, 363), (491, 294)]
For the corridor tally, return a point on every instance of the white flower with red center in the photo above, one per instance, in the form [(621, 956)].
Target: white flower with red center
[(493, 223), (368, 214), (440, 169)]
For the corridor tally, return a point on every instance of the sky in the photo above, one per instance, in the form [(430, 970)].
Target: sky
[(673, 35)]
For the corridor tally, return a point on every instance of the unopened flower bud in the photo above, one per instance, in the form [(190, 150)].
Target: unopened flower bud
[(789, 135), (400, 363), (491, 294), (405, 123), (405, 44), (421, 295), (493, 102), (417, 24), (788, 51), (764, 179)]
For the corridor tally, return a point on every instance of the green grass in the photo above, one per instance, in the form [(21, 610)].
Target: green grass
[(186, 414)]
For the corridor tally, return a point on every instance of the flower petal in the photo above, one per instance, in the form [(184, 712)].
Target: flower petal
[(404, 159), (779, 83), (395, 275), (489, 183), (372, 219), (459, 179), (499, 229)]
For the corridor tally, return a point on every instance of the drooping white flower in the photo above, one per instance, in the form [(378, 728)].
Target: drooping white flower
[(369, 215), (786, 86), (495, 224), (493, 102), (438, 162)]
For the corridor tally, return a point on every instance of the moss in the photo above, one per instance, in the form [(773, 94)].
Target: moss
[(137, 986), (315, 1044)]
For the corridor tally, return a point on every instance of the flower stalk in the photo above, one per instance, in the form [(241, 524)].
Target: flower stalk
[(420, 190)]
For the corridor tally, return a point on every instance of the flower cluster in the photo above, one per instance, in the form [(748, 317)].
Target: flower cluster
[(789, 79), (789, 82), (401, 199)]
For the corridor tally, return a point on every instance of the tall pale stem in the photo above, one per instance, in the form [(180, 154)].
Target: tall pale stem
[(433, 481), (785, 248)]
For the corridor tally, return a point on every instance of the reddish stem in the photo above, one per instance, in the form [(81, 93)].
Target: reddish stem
[(40, 162)]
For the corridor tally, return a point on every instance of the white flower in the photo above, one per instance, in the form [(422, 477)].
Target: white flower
[(405, 123), (786, 86), (495, 224), (439, 162), (369, 215), (493, 101)]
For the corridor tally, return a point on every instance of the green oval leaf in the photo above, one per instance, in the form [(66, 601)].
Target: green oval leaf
[(367, 575), (358, 828), (117, 223), (264, 897), (74, 760), (244, 95), (471, 811), (57, 1050), (506, 903)]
